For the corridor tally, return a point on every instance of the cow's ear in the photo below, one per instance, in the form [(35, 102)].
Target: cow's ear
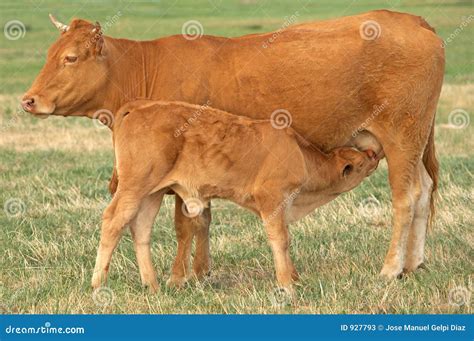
[(99, 48)]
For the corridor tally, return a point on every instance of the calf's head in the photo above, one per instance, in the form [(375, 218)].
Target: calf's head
[(74, 72), (351, 167)]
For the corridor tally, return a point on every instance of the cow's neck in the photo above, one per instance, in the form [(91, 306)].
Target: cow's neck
[(126, 76)]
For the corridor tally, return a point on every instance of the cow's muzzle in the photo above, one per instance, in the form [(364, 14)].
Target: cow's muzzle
[(32, 105)]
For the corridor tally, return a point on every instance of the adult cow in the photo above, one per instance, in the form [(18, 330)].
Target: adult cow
[(327, 77)]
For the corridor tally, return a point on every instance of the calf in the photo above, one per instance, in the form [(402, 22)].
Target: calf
[(203, 153)]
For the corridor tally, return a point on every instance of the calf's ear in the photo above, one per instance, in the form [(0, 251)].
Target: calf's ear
[(347, 170)]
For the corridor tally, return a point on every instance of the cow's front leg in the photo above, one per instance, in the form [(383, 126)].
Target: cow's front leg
[(184, 235), (186, 228), (202, 258)]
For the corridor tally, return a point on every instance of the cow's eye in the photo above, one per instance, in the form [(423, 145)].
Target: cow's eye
[(70, 59)]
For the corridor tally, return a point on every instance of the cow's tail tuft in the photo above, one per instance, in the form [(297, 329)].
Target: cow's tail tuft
[(432, 167)]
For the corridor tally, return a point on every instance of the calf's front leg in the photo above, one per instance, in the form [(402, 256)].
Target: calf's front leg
[(141, 229), (279, 240), (120, 212)]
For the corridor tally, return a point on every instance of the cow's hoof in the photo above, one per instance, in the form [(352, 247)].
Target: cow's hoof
[(201, 271), (199, 275), (390, 272), (176, 282)]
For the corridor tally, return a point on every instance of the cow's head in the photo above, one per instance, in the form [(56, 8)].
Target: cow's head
[(75, 71), (352, 166)]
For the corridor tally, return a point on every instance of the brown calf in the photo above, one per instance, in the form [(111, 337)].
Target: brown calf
[(273, 172)]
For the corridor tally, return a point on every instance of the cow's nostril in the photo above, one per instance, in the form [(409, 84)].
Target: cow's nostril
[(28, 103)]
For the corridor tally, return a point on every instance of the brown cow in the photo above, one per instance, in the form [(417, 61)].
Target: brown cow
[(276, 174), (327, 77)]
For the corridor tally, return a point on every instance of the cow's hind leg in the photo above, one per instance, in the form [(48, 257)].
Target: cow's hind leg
[(121, 211), (141, 228), (402, 170), (417, 234)]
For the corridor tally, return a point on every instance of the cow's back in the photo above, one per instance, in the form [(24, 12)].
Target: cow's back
[(324, 74)]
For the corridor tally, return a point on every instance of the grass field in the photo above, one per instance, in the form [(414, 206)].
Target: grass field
[(54, 175)]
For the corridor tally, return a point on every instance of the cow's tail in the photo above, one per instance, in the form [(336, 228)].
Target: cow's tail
[(423, 23), (432, 167)]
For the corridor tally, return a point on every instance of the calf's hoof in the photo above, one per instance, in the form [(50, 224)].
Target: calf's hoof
[(412, 266), (283, 296), (151, 286), (390, 272), (97, 280)]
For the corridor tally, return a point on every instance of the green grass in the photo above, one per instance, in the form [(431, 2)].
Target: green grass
[(59, 169)]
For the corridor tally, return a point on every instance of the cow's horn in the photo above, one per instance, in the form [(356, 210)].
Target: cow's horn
[(59, 25)]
